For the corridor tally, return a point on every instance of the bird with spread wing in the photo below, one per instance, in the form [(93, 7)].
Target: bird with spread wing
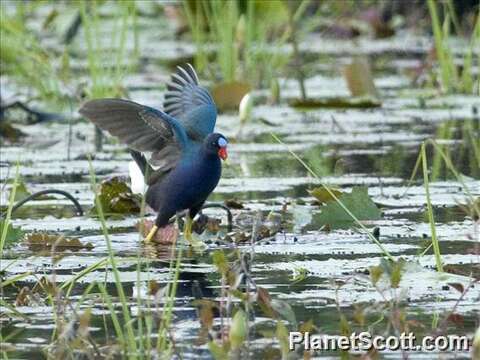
[(185, 152)]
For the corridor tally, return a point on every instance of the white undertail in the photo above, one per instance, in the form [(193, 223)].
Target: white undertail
[(137, 182)]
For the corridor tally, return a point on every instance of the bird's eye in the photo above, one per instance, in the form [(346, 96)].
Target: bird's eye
[(222, 142)]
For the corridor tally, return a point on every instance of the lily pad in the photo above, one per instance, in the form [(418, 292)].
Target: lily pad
[(336, 102), (357, 202), (227, 96), (323, 196), (164, 236), (43, 241), (116, 197)]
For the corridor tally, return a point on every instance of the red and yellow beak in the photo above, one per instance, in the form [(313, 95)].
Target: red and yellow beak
[(222, 153)]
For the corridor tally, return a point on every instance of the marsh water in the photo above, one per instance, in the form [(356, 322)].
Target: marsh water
[(346, 147)]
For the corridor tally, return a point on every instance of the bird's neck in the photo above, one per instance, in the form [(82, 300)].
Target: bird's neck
[(208, 156)]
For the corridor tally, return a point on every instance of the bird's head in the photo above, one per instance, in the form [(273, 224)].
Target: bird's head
[(216, 144)]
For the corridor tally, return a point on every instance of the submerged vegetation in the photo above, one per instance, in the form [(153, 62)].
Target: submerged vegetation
[(354, 180)]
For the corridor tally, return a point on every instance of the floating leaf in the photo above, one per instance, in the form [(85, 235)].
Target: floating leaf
[(238, 329), (300, 274), (357, 202), (166, 235), (457, 286), (323, 196), (233, 204), (336, 102), (456, 319), (14, 234), (359, 78), (116, 197), (43, 241), (227, 96), (204, 222), (9, 132)]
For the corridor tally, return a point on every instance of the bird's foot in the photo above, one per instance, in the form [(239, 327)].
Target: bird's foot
[(187, 233), (187, 230), (151, 234)]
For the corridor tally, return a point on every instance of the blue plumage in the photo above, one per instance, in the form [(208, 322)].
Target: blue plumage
[(189, 184), (184, 149)]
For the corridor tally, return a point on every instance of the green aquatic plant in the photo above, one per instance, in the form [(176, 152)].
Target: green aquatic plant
[(245, 45), (135, 335), (29, 62), (107, 63), (126, 339), (431, 218), (451, 78), (332, 194), (422, 161), (358, 203), (7, 230)]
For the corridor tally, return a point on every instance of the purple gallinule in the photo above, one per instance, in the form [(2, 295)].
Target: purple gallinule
[(185, 152)]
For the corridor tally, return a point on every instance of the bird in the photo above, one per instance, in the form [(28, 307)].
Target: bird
[(185, 165)]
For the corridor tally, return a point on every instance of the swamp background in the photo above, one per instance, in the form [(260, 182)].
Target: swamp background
[(353, 178)]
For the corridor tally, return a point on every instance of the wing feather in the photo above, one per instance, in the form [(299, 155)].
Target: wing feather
[(190, 103)]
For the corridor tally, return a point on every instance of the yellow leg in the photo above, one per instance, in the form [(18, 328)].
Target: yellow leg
[(187, 230), (151, 234)]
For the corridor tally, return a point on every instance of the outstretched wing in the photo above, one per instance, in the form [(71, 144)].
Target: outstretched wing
[(190, 103), (123, 119), (141, 127)]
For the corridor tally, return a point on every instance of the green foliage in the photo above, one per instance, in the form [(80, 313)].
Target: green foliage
[(359, 204), (323, 196), (219, 351), (107, 66), (32, 64), (13, 234), (451, 78), (299, 276), (431, 218), (21, 192), (391, 268), (282, 335), (376, 273), (246, 45), (220, 261), (116, 197), (238, 329)]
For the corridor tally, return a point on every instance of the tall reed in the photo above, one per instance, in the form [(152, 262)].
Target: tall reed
[(451, 79)]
